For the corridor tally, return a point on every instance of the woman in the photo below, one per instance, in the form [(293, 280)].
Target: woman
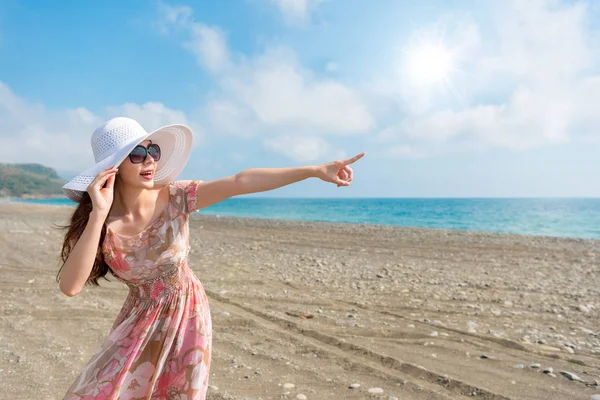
[(133, 221)]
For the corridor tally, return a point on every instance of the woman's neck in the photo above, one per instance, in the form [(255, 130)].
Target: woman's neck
[(133, 202)]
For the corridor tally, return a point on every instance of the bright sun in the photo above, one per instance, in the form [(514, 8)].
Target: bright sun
[(429, 64)]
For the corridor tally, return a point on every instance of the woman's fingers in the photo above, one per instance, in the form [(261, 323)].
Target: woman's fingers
[(105, 179), (349, 171), (105, 172), (101, 178), (110, 181), (341, 182), (355, 158)]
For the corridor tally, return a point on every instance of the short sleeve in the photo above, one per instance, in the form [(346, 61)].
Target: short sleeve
[(183, 195)]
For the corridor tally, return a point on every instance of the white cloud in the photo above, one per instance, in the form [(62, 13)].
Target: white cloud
[(538, 71), (299, 148), (227, 117), (172, 16), (541, 41), (535, 61), (31, 133), (332, 66), (153, 115), (283, 94), (60, 138), (208, 44), (404, 151), (271, 93), (296, 11), (527, 120)]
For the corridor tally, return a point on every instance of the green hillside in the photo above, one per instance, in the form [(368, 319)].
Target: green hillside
[(29, 180)]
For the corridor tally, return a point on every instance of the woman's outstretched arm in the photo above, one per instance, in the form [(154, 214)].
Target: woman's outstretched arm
[(262, 179)]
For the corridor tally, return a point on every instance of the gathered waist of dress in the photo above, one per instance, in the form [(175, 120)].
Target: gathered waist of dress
[(170, 282)]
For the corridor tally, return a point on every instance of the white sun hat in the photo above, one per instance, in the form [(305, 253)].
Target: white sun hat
[(116, 138)]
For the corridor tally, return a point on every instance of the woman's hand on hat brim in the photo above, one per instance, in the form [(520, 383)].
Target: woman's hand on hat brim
[(102, 195)]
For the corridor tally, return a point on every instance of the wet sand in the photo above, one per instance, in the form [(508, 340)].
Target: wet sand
[(417, 313)]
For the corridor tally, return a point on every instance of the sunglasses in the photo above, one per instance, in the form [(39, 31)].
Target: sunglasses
[(139, 153)]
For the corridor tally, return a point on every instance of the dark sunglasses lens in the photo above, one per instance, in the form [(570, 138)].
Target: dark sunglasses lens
[(137, 155), (154, 151)]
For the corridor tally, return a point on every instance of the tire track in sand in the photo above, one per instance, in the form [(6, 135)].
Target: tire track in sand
[(438, 386)]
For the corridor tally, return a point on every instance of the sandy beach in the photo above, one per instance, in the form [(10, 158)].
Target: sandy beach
[(330, 311)]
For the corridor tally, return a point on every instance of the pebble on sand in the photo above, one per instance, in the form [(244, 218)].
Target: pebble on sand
[(570, 376), (583, 308), (375, 390)]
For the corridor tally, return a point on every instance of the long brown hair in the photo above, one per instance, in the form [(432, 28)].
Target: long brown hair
[(75, 229)]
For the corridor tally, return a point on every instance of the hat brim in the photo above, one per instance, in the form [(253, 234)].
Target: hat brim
[(175, 142)]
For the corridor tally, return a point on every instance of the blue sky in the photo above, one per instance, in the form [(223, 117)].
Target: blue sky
[(448, 98)]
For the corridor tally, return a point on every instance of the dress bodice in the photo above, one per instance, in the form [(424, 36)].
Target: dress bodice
[(161, 247)]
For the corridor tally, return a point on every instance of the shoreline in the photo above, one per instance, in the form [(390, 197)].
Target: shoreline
[(365, 226), (31, 197)]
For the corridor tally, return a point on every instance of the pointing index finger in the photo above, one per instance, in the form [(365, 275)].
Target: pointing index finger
[(355, 158)]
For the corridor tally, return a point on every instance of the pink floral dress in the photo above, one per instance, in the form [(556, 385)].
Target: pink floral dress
[(159, 346)]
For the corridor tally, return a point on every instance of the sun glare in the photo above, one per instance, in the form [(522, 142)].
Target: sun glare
[(429, 64)]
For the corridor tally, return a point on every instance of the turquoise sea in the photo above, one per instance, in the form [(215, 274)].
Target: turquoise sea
[(576, 217)]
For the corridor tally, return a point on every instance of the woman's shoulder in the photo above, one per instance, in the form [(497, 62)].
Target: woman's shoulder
[(183, 194), (183, 183)]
